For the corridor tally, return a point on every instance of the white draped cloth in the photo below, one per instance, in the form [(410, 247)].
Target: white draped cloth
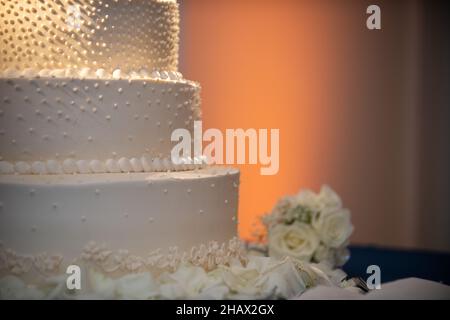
[(404, 289)]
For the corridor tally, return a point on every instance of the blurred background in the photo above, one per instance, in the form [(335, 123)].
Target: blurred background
[(365, 111)]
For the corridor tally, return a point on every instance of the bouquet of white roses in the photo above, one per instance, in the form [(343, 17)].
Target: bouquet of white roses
[(312, 227)]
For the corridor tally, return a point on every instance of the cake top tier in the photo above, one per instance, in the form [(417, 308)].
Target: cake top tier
[(100, 34)]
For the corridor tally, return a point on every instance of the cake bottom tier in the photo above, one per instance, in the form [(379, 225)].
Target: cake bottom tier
[(138, 212)]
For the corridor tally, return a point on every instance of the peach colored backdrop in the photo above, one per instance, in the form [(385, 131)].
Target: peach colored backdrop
[(343, 97)]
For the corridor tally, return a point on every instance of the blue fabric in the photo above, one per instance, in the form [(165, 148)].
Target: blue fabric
[(399, 264)]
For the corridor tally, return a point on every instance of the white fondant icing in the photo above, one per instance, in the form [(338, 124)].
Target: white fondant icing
[(175, 212), (66, 126)]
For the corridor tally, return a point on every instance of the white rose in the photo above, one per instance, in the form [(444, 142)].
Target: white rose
[(130, 286), (13, 288), (333, 226), (325, 199), (186, 282), (278, 214), (264, 277), (324, 254), (101, 285), (282, 279), (308, 198), (241, 279), (297, 240), (136, 286)]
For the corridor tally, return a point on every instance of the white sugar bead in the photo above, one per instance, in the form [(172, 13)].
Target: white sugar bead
[(116, 74), (112, 166), (6, 167), (125, 165), (69, 166), (53, 167), (22, 167), (97, 166)]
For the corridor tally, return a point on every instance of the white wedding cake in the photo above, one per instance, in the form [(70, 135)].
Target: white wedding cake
[(89, 96)]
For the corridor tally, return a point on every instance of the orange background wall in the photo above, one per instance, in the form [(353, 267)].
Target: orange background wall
[(343, 97)]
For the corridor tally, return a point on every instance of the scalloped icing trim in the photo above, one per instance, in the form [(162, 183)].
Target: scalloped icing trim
[(122, 165), (207, 256), (88, 73), (18, 264)]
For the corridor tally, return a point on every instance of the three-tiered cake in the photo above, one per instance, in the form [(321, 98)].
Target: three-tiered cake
[(89, 97)]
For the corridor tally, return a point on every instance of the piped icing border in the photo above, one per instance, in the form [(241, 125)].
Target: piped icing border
[(88, 73), (208, 256), (121, 165)]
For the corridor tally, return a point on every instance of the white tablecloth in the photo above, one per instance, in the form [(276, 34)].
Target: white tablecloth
[(410, 288)]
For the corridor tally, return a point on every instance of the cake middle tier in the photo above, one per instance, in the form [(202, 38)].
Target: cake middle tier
[(88, 125)]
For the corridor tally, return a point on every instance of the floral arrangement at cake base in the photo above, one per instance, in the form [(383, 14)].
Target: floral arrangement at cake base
[(237, 276), (310, 227)]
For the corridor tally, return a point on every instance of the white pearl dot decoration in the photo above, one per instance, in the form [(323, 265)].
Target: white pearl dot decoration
[(104, 35), (76, 113)]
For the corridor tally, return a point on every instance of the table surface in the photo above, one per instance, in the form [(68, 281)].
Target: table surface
[(398, 264)]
